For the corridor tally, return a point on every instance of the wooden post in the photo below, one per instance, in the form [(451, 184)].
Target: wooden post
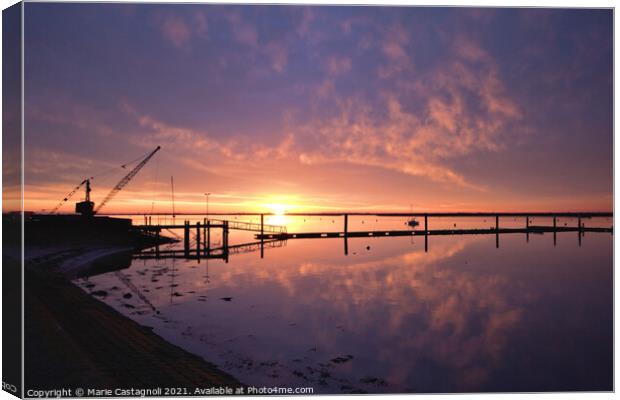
[(346, 234), (497, 231), (425, 233), (226, 232), (198, 238), (527, 228), (186, 238), (208, 237), (225, 241), (555, 239), (157, 243), (262, 237), (204, 233)]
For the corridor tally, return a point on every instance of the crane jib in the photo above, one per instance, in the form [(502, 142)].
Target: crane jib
[(126, 179)]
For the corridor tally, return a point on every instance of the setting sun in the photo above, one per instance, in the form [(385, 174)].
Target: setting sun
[(277, 209)]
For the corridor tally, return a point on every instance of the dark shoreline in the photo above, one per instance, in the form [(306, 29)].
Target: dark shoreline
[(74, 340)]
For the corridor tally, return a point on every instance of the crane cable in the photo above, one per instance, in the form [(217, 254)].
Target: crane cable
[(135, 159), (68, 196), (126, 179), (100, 175), (153, 197)]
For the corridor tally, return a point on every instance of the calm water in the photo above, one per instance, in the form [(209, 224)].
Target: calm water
[(389, 317)]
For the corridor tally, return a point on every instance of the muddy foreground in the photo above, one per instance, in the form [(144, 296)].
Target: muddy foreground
[(75, 341)]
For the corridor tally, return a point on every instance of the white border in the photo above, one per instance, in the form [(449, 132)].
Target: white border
[(474, 3)]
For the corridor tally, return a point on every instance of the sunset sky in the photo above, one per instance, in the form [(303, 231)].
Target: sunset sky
[(320, 108)]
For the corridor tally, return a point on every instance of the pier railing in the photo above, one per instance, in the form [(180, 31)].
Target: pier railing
[(252, 226)]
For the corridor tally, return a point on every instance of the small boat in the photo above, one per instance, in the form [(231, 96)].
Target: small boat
[(412, 223)]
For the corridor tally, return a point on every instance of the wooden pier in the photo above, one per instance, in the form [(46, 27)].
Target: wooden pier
[(202, 238), (436, 232), (273, 236), (357, 234), (528, 229)]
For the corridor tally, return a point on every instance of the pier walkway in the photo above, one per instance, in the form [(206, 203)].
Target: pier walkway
[(531, 229)]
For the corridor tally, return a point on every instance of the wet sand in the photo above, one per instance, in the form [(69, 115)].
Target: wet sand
[(73, 340)]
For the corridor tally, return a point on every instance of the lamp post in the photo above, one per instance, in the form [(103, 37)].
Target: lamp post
[(207, 204)]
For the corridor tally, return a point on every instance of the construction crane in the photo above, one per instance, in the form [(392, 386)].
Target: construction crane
[(123, 182), (67, 197), (87, 207)]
